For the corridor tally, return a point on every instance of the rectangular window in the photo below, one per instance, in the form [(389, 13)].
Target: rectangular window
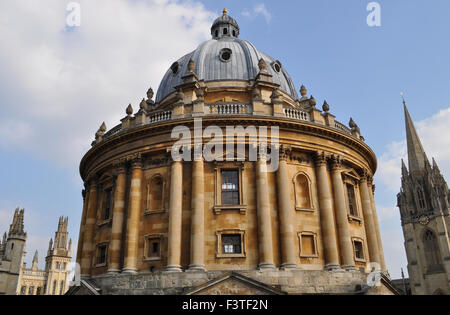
[(308, 247), (152, 247), (351, 200), (101, 254), (230, 187), (359, 251), (231, 244)]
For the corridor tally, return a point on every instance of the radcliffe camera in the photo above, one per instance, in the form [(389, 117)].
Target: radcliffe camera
[(224, 159)]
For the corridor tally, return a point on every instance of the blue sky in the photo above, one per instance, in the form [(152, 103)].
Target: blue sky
[(58, 85)]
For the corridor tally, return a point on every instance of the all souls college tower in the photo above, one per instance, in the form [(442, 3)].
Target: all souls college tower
[(424, 209), (16, 278), (156, 224)]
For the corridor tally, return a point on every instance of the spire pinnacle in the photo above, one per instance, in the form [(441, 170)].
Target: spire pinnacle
[(416, 154)]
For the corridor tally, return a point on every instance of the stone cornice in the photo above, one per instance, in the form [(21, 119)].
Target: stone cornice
[(304, 127)]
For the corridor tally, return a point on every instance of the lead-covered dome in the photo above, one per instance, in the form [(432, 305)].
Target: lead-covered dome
[(225, 58)]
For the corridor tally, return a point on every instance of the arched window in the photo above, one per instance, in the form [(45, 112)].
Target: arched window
[(155, 196), (234, 33), (225, 31), (217, 33), (302, 190), (421, 198), (38, 291), (54, 287), (431, 247)]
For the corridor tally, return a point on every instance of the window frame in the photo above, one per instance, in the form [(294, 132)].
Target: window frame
[(220, 253), (348, 178), (149, 238), (314, 235), (148, 209), (229, 166), (363, 250), (311, 199), (97, 254)]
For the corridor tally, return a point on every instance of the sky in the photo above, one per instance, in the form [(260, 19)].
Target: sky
[(59, 83)]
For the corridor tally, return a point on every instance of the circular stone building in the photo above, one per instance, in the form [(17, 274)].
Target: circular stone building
[(285, 205)]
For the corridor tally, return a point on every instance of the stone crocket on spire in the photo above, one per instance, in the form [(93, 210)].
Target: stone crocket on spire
[(416, 154)]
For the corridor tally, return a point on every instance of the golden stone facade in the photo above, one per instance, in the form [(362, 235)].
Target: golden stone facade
[(146, 212)]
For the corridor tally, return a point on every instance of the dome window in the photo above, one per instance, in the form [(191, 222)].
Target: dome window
[(225, 55), (276, 66), (225, 31), (175, 67), (234, 33)]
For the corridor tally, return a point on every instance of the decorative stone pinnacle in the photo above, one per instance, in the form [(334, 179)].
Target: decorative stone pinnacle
[(312, 101), (129, 110), (326, 107), (191, 66), (103, 127), (262, 65), (150, 93), (303, 91)]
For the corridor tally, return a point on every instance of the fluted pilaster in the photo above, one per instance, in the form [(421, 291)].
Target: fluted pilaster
[(377, 226)]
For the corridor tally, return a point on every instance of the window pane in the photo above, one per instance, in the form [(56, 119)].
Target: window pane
[(230, 188), (231, 243)]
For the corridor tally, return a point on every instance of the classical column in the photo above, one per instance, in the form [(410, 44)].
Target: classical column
[(175, 219), (288, 259), (134, 206), (377, 226), (91, 218), (198, 216), (117, 218), (264, 215), (369, 223), (85, 195), (326, 213), (345, 242)]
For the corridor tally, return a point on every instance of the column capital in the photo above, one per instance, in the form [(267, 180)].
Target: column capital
[(320, 158), (92, 183), (136, 161), (365, 175), (119, 166), (284, 152), (336, 162)]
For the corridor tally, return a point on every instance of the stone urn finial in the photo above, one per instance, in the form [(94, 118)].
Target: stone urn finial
[(325, 107), (103, 127), (352, 123), (143, 104), (191, 66), (303, 91), (129, 110), (312, 101), (150, 93), (262, 65)]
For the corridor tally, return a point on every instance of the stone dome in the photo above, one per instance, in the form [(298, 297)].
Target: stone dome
[(225, 58)]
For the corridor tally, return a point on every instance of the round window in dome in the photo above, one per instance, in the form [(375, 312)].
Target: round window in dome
[(276, 66), (225, 54)]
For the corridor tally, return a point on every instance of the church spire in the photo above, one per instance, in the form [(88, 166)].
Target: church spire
[(416, 154), (35, 261)]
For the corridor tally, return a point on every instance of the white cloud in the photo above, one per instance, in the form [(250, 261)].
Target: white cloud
[(59, 84), (259, 9), (433, 133)]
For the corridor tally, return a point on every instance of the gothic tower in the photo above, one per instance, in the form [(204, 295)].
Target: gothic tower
[(58, 260), (12, 252), (424, 208)]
